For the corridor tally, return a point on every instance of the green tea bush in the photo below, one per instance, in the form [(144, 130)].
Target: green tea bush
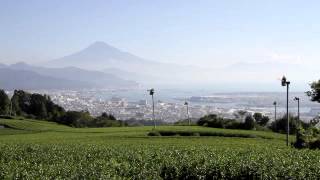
[(47, 150), (154, 133), (200, 133), (308, 138), (75, 161)]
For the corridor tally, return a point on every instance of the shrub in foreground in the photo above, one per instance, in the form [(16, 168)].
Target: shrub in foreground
[(280, 125), (308, 138), (76, 161)]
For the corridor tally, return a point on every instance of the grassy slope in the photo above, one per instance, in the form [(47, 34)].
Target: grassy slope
[(53, 151), (49, 132)]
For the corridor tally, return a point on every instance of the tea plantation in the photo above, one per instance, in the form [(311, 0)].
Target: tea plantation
[(31, 149)]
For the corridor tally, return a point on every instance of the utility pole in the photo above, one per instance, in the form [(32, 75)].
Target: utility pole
[(151, 92), (298, 120), (298, 100), (284, 82), (187, 104), (275, 110)]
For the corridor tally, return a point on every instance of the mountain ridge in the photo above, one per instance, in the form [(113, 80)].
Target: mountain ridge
[(100, 56), (23, 79), (88, 79)]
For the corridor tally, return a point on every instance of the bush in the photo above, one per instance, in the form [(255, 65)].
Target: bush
[(200, 133), (260, 119), (4, 103), (309, 138), (76, 119), (195, 134), (280, 125), (249, 123), (154, 133), (213, 120), (106, 120)]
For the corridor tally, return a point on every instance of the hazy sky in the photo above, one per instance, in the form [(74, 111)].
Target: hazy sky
[(197, 32)]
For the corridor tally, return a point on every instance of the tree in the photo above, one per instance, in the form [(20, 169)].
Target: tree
[(54, 111), (213, 120), (315, 121), (314, 93), (308, 135), (280, 125), (76, 118), (35, 105), (106, 120), (257, 117), (240, 115), (4, 103), (249, 122), (264, 121), (308, 138), (108, 116), (21, 102), (260, 119), (38, 106)]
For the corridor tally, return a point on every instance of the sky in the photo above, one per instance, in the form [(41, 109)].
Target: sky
[(202, 33)]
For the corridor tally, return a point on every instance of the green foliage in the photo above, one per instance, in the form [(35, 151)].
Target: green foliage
[(260, 119), (84, 119), (144, 122), (62, 152), (35, 106), (280, 125), (314, 93), (154, 133), (309, 138), (4, 103), (314, 121), (106, 120), (38, 106), (257, 116), (36, 125), (76, 118), (213, 120), (20, 102), (201, 133), (249, 123), (72, 161), (240, 115)]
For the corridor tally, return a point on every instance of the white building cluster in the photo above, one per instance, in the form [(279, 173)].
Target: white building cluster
[(123, 109)]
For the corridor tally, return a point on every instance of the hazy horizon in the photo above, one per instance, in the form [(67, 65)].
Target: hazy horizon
[(249, 44)]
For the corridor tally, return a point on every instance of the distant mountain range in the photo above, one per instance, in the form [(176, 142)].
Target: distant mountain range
[(99, 56), (102, 57), (25, 76), (103, 66), (11, 79)]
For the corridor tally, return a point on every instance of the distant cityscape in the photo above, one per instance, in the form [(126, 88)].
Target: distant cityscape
[(171, 108), (118, 80)]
